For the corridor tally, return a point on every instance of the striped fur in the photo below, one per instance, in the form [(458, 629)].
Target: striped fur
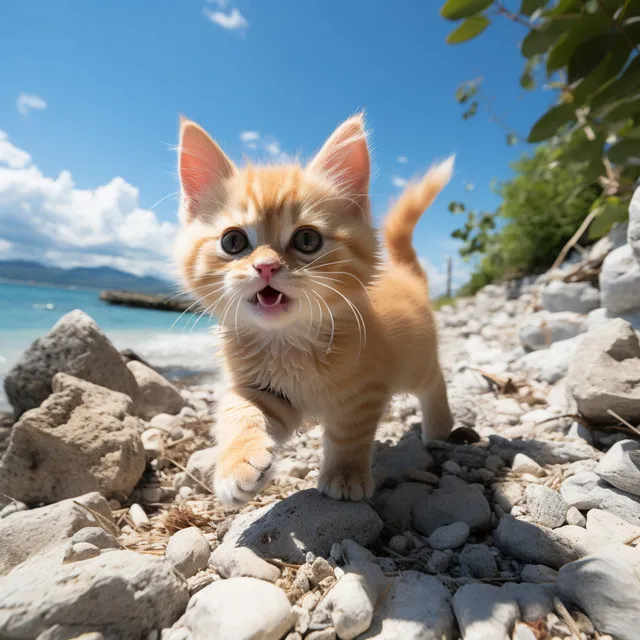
[(356, 331)]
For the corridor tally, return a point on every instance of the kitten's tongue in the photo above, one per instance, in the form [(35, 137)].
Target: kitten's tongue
[(269, 297)]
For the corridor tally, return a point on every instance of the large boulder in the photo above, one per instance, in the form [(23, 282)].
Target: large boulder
[(606, 587), (28, 533), (542, 329), (633, 235), (579, 297), (305, 521), (121, 594), (620, 281), (604, 373), (81, 439), (236, 608), (75, 345), (155, 393), (549, 364)]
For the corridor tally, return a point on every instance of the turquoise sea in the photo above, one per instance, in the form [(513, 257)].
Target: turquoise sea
[(178, 345)]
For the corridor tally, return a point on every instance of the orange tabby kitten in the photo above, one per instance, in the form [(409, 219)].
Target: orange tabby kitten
[(313, 325)]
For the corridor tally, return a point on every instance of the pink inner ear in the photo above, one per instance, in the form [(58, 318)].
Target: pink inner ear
[(345, 156), (201, 163)]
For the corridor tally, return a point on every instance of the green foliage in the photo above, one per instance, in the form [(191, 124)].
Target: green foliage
[(589, 51), (541, 208)]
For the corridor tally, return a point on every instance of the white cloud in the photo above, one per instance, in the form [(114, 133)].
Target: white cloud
[(461, 272), (249, 136), (266, 144), (4, 245), (28, 101), (402, 159), (399, 182), (50, 219), (232, 21), (12, 156)]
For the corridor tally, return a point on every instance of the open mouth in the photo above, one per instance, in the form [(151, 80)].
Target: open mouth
[(270, 299)]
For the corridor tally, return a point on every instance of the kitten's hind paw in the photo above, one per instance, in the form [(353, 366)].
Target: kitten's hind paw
[(346, 485), (243, 471)]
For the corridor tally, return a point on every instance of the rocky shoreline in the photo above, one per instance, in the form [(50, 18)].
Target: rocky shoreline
[(523, 526)]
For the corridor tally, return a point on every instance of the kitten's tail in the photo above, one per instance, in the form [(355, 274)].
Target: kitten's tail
[(403, 217)]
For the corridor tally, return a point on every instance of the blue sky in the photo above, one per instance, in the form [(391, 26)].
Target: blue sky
[(93, 90)]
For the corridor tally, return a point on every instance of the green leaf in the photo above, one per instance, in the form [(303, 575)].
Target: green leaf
[(529, 7), (512, 139), (601, 77), (565, 6), (614, 90), (612, 210), (527, 81), (633, 133), (550, 122), (458, 9), (626, 151), (539, 40), (621, 111), (471, 111), (468, 30), (590, 54), (584, 29), (456, 207)]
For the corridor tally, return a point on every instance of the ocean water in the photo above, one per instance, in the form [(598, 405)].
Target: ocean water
[(179, 345)]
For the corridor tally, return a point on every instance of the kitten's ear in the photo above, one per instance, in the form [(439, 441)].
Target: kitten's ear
[(201, 165), (345, 157)]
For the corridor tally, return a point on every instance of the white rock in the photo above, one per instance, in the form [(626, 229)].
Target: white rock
[(417, 607), (447, 505), (508, 495), (138, 516), (523, 632), (155, 393), (450, 536), (352, 600), (552, 364), (607, 589), (122, 594), (588, 491), (80, 551), (540, 330), (96, 536), (221, 611), (605, 373), (471, 604), (538, 573), (47, 527), (545, 506), (153, 443), (575, 518), (620, 281), (312, 522), (608, 527), (534, 544), (535, 601), (478, 558), (76, 346), (83, 438), (524, 464), (188, 551), (579, 297), (620, 466)]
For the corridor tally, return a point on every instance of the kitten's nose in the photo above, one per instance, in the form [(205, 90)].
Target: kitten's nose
[(267, 269)]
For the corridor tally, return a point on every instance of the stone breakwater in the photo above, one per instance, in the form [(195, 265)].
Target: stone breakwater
[(523, 525)]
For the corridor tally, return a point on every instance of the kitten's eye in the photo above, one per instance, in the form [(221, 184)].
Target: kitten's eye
[(234, 241), (306, 240)]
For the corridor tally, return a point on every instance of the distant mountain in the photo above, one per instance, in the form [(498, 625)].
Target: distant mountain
[(94, 277)]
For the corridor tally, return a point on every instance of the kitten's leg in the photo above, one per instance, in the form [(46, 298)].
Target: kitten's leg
[(348, 442), (250, 423), (437, 420)]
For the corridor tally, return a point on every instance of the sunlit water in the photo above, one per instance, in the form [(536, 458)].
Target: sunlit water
[(181, 345)]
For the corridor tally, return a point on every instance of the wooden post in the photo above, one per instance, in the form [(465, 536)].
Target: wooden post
[(449, 274)]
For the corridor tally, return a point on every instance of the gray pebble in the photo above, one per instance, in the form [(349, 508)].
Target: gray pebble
[(480, 560), (575, 518), (450, 536)]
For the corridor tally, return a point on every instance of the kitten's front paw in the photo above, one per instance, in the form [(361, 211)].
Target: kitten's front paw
[(243, 470), (346, 485)]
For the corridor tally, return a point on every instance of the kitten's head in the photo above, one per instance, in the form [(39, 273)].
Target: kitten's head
[(276, 246)]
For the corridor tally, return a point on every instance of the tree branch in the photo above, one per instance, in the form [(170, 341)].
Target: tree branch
[(618, 27)]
